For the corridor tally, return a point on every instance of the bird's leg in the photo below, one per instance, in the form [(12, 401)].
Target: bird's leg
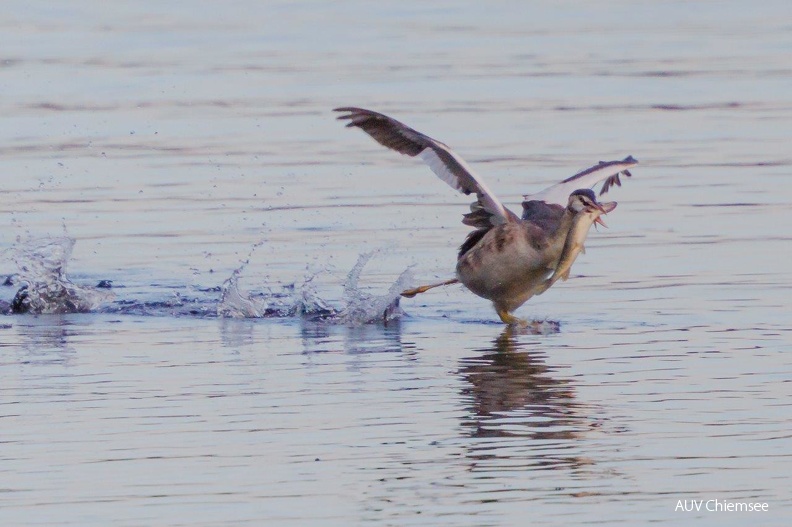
[(409, 293), (510, 319)]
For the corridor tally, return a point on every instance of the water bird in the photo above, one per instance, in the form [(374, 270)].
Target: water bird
[(507, 259)]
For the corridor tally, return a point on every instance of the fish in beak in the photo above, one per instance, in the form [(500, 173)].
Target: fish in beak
[(603, 208), (573, 245)]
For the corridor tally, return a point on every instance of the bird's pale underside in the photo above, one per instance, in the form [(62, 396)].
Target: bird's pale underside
[(507, 258)]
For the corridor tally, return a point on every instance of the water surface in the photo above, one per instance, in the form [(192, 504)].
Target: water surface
[(177, 144)]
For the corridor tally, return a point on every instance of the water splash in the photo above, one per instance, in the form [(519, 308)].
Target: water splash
[(290, 301), (45, 287), (234, 304), (359, 307)]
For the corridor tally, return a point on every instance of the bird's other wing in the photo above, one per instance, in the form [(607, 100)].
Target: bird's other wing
[(604, 170), (546, 215), (448, 166)]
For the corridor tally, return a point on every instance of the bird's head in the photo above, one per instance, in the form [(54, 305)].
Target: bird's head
[(585, 201)]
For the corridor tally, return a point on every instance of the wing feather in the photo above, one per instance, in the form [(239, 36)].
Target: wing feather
[(609, 171), (439, 157)]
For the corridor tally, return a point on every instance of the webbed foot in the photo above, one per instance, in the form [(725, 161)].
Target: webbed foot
[(511, 320)]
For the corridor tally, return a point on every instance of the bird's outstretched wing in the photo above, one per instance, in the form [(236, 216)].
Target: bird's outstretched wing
[(448, 166), (609, 171)]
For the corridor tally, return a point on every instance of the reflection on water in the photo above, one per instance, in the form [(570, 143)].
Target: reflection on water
[(320, 337), (46, 341), (515, 395), (236, 332)]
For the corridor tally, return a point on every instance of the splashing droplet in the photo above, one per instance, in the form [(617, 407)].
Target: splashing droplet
[(233, 304), (365, 308), (45, 288)]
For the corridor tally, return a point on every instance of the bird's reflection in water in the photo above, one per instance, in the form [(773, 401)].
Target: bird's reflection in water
[(515, 398)]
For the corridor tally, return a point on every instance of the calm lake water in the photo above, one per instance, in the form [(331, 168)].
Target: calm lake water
[(179, 145)]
